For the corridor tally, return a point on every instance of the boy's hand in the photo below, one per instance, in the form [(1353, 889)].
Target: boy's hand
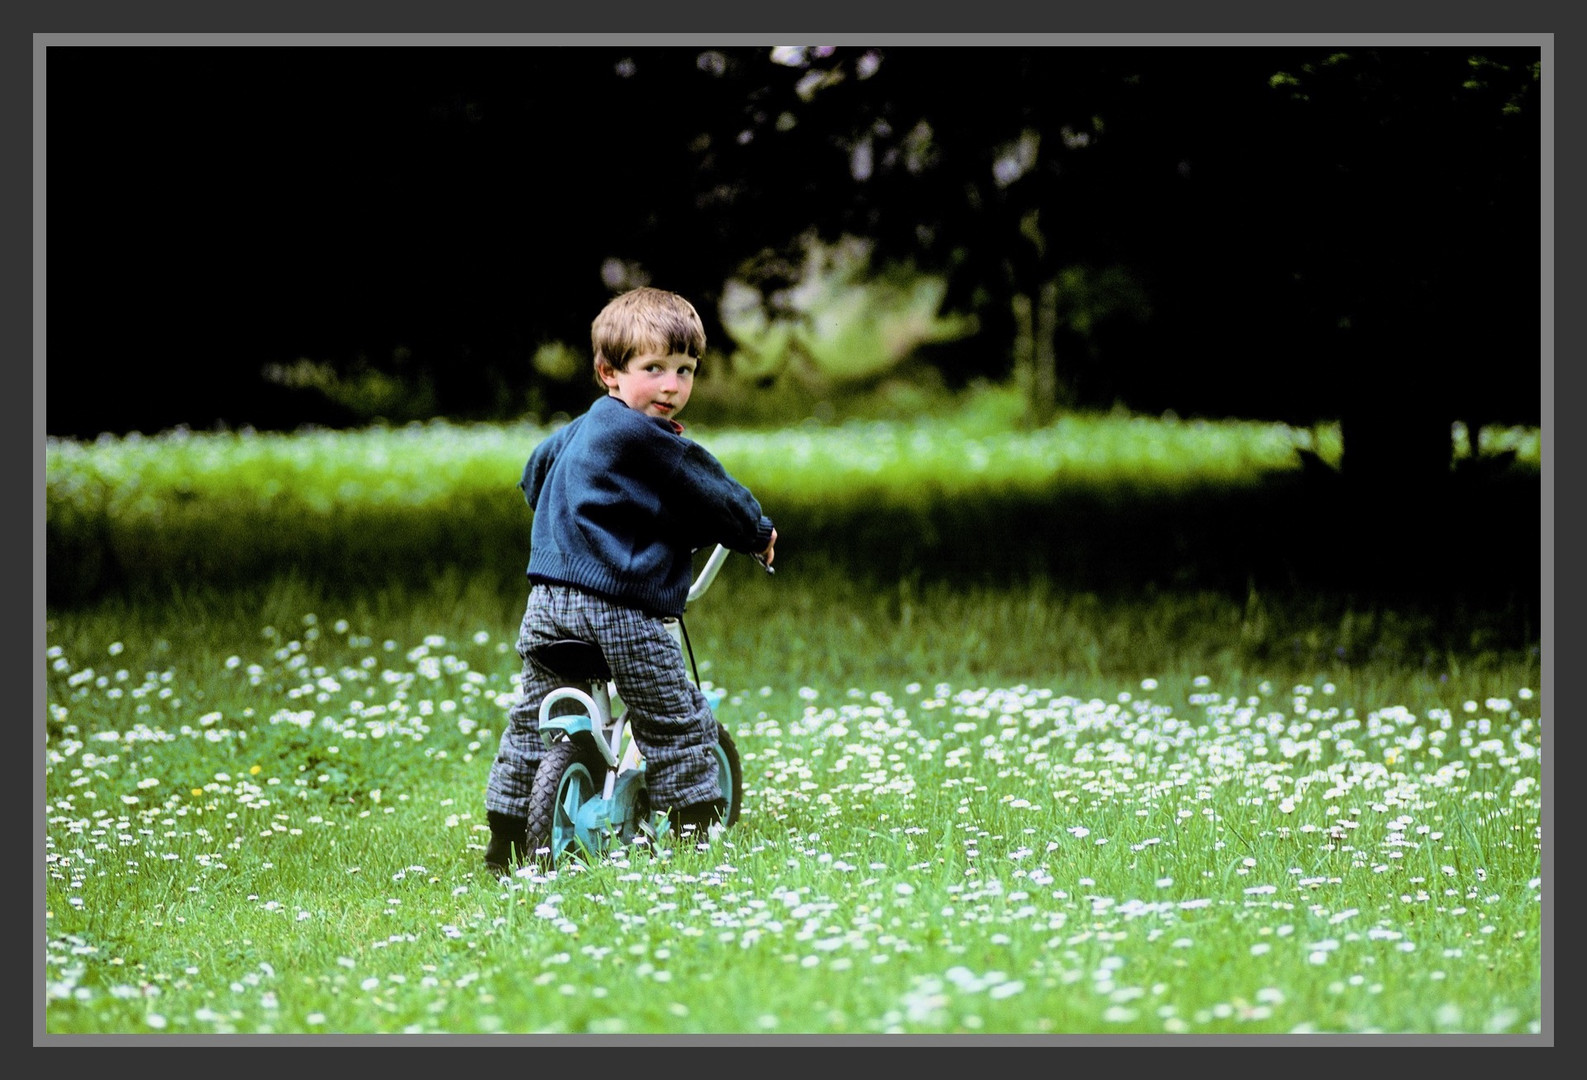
[(765, 557)]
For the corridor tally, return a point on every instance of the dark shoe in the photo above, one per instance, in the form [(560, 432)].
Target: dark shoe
[(694, 822), (509, 836)]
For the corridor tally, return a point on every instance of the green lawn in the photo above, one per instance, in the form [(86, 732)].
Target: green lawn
[(978, 802)]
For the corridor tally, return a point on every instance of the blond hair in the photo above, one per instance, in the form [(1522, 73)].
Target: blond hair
[(642, 321)]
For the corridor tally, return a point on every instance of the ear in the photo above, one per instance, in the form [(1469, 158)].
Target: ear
[(607, 373)]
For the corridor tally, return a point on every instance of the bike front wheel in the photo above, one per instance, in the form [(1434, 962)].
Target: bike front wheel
[(729, 776), (730, 773), (569, 776)]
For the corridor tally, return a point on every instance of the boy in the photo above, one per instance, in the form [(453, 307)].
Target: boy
[(621, 501)]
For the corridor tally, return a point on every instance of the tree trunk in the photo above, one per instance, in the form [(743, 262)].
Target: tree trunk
[(1396, 421), (1024, 349), (1044, 387), (1036, 352), (1396, 447)]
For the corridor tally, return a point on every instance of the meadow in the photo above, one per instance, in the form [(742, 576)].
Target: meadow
[(233, 507), (976, 804)]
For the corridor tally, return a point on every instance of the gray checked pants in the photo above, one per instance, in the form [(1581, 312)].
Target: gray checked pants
[(671, 720)]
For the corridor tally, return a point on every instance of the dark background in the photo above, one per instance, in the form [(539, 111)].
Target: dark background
[(1359, 239)]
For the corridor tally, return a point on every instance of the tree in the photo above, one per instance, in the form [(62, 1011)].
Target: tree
[(1284, 233), (1423, 167), (1292, 233)]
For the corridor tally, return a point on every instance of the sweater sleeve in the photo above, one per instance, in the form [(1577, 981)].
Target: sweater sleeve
[(714, 507), (539, 463)]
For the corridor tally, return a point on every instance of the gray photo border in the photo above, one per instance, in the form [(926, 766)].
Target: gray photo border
[(41, 43)]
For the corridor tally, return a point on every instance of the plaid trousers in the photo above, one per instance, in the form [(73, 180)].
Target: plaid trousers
[(671, 720)]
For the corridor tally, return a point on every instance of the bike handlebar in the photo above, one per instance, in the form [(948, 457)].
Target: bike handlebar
[(712, 567), (707, 573)]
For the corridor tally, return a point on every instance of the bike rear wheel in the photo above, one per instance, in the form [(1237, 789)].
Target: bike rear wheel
[(569, 775)]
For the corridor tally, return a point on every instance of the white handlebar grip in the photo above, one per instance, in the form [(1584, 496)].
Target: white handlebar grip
[(707, 573)]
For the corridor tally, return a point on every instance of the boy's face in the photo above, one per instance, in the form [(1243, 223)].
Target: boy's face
[(653, 384)]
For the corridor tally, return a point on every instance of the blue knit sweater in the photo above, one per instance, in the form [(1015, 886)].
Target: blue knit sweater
[(622, 501)]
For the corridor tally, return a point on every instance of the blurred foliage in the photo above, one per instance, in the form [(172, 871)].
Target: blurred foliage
[(842, 322), (363, 393)]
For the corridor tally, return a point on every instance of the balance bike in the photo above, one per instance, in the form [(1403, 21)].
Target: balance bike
[(589, 792)]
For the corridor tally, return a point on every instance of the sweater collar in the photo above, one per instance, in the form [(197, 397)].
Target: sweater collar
[(665, 421)]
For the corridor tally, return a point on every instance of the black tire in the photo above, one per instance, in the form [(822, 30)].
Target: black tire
[(568, 776), (731, 774)]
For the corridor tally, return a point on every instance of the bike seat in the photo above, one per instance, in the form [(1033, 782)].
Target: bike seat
[(573, 660)]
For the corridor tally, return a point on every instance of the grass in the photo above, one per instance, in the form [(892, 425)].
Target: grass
[(978, 811), (1087, 500), (1059, 731)]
